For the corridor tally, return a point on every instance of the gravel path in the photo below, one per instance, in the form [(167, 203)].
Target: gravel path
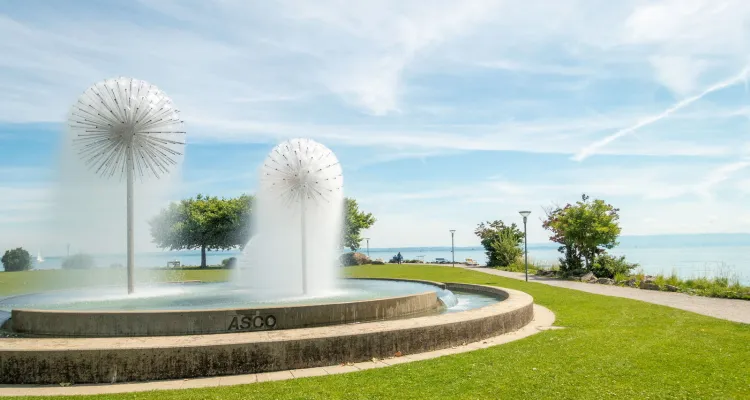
[(732, 310)]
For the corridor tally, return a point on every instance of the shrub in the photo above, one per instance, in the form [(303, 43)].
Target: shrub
[(620, 277), (78, 261), (350, 259), (502, 243), (377, 262), (607, 266), (16, 260), (229, 263)]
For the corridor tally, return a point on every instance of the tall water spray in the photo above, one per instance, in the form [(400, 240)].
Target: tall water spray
[(297, 222), (127, 128)]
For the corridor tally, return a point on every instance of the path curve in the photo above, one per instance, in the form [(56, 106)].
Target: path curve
[(728, 309)]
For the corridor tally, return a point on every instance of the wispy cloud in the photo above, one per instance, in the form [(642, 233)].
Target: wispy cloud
[(594, 147)]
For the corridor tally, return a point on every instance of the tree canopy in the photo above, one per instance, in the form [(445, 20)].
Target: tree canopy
[(16, 260), (501, 242), (210, 223), (354, 222), (585, 230), (204, 222)]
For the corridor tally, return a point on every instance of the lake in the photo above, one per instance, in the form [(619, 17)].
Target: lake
[(693, 257)]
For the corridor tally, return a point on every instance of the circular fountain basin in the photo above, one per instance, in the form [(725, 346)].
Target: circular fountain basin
[(129, 359), (209, 308)]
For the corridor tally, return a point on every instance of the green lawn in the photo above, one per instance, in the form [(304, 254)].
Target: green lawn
[(13, 283), (611, 348)]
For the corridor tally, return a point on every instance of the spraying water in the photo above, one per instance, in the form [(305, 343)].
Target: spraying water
[(127, 130), (297, 222)]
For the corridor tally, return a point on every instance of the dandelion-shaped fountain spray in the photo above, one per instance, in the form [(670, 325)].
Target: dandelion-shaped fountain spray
[(127, 127), (298, 172)]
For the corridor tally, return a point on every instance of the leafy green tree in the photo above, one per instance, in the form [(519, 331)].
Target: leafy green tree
[(16, 260), (204, 222), (585, 230), (501, 242), (354, 222)]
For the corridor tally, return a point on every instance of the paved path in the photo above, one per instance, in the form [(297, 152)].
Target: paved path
[(732, 310), (543, 320)]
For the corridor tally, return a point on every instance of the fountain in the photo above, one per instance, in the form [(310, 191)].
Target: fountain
[(286, 307), (127, 127)]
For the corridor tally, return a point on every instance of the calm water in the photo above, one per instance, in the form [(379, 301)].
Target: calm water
[(687, 259), (687, 262)]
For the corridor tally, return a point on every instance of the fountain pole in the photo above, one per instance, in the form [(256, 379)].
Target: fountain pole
[(131, 236), (303, 235)]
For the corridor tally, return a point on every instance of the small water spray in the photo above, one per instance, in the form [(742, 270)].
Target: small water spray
[(126, 127), (299, 174)]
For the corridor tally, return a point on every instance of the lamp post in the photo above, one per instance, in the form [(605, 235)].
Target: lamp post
[(525, 215), (368, 247), (453, 251)]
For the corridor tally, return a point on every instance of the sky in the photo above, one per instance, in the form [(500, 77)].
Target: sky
[(443, 114)]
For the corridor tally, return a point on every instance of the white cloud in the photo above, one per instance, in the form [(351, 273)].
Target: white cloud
[(680, 74), (408, 79)]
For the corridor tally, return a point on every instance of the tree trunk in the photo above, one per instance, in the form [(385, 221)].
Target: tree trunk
[(203, 257)]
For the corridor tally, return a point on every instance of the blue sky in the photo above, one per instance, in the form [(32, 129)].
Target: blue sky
[(443, 113)]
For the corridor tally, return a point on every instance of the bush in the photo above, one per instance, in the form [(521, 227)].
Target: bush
[(350, 259), (377, 262), (78, 261), (502, 243), (16, 260), (607, 266), (229, 263)]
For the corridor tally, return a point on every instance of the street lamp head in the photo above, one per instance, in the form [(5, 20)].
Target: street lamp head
[(524, 213), (453, 231)]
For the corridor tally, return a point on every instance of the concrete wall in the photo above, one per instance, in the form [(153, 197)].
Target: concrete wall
[(52, 361), (194, 322)]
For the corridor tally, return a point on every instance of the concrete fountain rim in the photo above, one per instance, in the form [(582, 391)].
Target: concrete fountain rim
[(514, 300), (132, 359)]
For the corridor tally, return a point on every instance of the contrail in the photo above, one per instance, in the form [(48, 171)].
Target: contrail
[(593, 147)]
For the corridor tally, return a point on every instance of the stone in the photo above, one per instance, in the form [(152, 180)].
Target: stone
[(630, 282), (648, 279), (589, 277), (672, 288), (648, 286), (605, 281)]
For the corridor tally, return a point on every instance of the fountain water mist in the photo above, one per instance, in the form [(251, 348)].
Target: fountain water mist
[(130, 128), (297, 221)]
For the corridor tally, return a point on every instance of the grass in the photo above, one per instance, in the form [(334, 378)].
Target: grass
[(534, 266), (724, 285), (610, 348), (13, 283)]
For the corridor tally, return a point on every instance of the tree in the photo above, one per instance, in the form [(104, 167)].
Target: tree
[(16, 260), (354, 222), (585, 230), (206, 223), (501, 242)]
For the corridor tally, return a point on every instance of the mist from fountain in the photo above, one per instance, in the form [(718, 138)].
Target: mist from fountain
[(89, 202), (297, 223)]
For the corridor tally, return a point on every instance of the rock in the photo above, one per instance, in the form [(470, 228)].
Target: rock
[(648, 279), (648, 286), (589, 277), (398, 354), (672, 288), (605, 281), (630, 282)]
